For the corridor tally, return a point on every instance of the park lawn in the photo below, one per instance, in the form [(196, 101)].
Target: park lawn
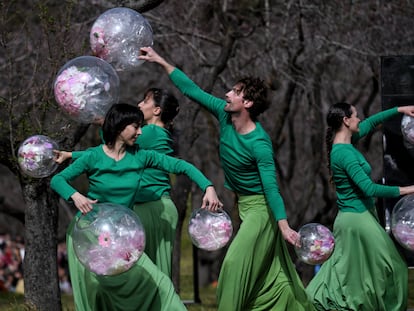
[(11, 302)]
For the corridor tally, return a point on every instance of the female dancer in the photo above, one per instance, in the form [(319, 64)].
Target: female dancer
[(114, 170), (153, 203), (365, 271)]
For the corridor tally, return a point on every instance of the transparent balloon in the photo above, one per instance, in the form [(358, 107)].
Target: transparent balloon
[(86, 87), (315, 245), (117, 36), (109, 239), (35, 156), (407, 129), (210, 230), (402, 222)]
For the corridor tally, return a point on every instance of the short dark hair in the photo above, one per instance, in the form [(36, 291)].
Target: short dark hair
[(255, 90), (118, 117)]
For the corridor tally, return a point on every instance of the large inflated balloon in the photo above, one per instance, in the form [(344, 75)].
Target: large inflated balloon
[(117, 36), (407, 129), (86, 87), (316, 243), (35, 156), (208, 230), (109, 239), (402, 222)]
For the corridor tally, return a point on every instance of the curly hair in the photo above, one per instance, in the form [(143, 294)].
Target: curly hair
[(255, 90)]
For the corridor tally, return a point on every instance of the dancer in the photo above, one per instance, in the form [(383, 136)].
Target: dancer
[(114, 170), (153, 204), (365, 270), (257, 272)]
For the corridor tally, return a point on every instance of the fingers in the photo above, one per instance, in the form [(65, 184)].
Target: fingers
[(212, 204), (408, 110), (57, 156), (83, 204), (293, 238), (146, 53)]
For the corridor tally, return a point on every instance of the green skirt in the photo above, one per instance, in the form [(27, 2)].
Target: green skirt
[(142, 287), (159, 219), (365, 270), (257, 272)]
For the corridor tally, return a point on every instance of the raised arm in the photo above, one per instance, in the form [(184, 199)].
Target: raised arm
[(148, 54)]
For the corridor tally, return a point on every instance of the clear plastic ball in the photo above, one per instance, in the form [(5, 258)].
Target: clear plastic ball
[(210, 230), (407, 129), (402, 222), (86, 87), (35, 156), (109, 239), (117, 36), (316, 243)]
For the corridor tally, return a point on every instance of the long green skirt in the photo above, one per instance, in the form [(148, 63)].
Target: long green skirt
[(142, 287), (257, 272), (365, 270), (159, 219)]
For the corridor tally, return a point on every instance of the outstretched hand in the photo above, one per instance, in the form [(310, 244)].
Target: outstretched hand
[(149, 54), (61, 156), (211, 200), (408, 110)]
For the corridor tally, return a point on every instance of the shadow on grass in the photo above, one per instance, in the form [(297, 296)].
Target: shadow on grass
[(15, 302)]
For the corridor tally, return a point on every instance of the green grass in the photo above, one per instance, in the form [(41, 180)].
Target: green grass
[(12, 302), (207, 294)]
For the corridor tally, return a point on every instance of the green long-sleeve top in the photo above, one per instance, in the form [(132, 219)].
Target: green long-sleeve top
[(154, 182), (117, 181), (351, 172), (247, 160)]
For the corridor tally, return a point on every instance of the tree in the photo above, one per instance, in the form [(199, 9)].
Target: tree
[(33, 47), (311, 53)]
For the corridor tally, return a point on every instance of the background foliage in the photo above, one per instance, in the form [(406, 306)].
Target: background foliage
[(311, 53)]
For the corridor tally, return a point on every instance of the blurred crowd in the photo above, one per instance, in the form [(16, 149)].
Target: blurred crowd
[(11, 265)]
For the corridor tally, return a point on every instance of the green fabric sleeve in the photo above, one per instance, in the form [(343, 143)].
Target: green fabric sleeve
[(369, 124), (267, 172), (213, 104), (352, 166), (77, 154), (60, 182), (176, 166)]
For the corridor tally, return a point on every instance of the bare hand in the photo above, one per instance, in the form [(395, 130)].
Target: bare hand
[(211, 200), (149, 54), (61, 156), (289, 234), (83, 203), (408, 110)]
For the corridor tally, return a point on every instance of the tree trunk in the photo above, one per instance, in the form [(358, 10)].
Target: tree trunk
[(41, 283)]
